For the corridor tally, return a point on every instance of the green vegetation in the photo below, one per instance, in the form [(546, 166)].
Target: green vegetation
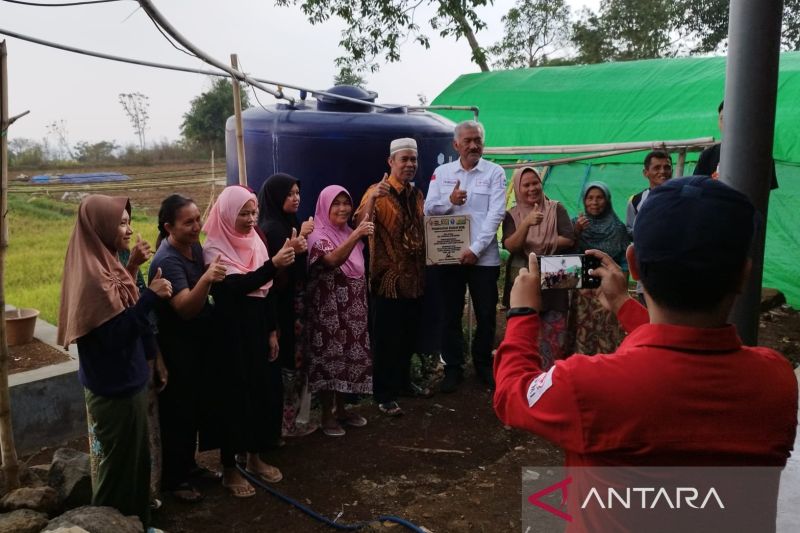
[(39, 230)]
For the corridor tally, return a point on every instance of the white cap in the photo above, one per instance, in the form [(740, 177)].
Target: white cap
[(406, 143)]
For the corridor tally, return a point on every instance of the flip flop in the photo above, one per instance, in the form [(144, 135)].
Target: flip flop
[(390, 409), (205, 474), (334, 431), (271, 474), (187, 493), (353, 420), (240, 490)]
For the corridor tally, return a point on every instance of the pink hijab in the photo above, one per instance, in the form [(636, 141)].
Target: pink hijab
[(240, 253), (336, 235)]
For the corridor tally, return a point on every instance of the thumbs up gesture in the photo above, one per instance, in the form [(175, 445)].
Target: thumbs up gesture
[(307, 227), (216, 270), (161, 286), (535, 217), (382, 188), (298, 242), (140, 252), (285, 255), (458, 196)]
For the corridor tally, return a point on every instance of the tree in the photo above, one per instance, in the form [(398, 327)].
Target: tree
[(58, 128), (380, 27), (534, 29), (204, 123), (630, 29), (136, 106), (708, 19), (346, 76), (100, 152)]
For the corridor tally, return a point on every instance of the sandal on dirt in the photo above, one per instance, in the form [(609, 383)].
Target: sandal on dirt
[(334, 431), (301, 431), (240, 490), (205, 474), (353, 420), (268, 474), (186, 493), (416, 391), (390, 409)]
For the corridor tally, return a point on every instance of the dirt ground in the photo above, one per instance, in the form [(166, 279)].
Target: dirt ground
[(35, 354), (447, 464)]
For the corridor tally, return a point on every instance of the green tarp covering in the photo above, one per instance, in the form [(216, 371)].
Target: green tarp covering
[(654, 100)]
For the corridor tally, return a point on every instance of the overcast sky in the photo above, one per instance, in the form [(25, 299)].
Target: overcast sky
[(272, 43)]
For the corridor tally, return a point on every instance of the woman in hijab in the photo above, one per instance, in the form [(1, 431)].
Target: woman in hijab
[(594, 329), (278, 202), (246, 377), (542, 226), (103, 312), (336, 336)]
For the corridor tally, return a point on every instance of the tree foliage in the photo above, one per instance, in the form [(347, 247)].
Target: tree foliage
[(136, 106), (100, 152), (347, 76), (534, 29), (204, 123), (380, 27)]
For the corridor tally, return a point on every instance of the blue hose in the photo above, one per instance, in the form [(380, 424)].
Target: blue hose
[(313, 514)]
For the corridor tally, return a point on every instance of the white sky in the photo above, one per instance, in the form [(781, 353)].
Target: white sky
[(272, 43)]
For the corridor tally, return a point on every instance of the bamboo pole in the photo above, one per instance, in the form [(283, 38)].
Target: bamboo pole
[(7, 448), (681, 162), (694, 144), (237, 109)]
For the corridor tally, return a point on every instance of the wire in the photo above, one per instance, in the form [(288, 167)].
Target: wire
[(65, 4), (167, 37), (253, 89), (152, 64)]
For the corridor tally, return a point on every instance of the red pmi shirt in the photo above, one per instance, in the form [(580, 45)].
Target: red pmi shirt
[(670, 395)]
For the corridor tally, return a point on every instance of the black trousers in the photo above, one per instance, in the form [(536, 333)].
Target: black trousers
[(482, 283), (395, 325)]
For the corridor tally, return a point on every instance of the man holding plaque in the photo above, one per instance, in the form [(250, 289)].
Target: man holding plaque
[(474, 187), (396, 273)]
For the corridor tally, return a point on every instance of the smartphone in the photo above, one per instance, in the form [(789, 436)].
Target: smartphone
[(568, 271)]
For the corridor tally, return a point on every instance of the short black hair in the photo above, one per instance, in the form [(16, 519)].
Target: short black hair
[(655, 154), (721, 105), (680, 287), (167, 213)]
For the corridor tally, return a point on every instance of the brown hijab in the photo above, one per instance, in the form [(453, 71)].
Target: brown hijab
[(96, 286), (542, 239)]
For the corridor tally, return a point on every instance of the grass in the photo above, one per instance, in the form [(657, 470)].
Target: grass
[(39, 230)]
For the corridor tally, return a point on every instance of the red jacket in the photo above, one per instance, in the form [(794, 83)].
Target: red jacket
[(670, 395)]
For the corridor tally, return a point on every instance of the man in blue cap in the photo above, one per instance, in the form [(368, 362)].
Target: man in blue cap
[(681, 389)]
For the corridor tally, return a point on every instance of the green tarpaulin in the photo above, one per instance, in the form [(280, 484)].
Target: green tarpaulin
[(654, 100)]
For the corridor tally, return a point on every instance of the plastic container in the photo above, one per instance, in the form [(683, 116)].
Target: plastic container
[(20, 324)]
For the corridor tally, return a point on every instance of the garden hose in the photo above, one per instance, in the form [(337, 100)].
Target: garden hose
[(313, 514)]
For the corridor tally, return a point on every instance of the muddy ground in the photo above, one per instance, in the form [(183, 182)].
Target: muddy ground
[(447, 464)]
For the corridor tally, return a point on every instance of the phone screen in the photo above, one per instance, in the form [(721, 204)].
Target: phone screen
[(568, 271)]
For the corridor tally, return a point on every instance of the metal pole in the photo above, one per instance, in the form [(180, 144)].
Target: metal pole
[(751, 86)]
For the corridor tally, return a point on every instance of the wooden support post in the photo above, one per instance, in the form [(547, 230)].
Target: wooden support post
[(7, 448), (237, 109)]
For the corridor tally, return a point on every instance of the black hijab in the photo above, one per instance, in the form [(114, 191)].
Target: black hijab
[(274, 223)]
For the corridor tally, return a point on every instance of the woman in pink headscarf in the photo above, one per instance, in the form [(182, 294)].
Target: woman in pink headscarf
[(250, 404), (336, 335)]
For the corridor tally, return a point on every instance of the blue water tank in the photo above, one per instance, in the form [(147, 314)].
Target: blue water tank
[(330, 141)]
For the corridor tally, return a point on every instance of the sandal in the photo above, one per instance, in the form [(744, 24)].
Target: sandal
[(187, 493), (205, 474), (353, 420), (416, 391), (390, 408), (301, 430), (240, 490), (334, 431), (267, 473)]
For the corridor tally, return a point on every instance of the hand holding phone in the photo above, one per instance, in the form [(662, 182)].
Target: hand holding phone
[(570, 271)]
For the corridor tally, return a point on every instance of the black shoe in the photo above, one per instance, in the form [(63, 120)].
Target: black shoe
[(485, 376), (451, 381)]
